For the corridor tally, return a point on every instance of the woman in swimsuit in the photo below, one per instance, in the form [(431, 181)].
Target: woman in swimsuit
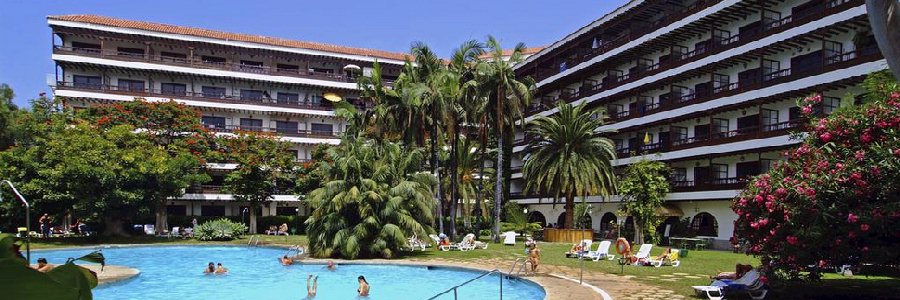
[(363, 289)]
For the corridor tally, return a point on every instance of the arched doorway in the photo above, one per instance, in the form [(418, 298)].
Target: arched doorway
[(670, 222), (704, 224), (608, 225), (561, 221), (537, 217)]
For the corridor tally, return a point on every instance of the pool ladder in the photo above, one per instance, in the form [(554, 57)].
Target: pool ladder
[(522, 268), (254, 241), (454, 288)]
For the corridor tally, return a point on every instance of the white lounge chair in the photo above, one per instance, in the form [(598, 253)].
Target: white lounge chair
[(672, 259), (643, 253), (509, 238), (176, 232), (467, 243), (749, 284), (149, 229), (602, 252)]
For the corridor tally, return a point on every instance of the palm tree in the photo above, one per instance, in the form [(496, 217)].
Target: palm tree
[(568, 156), (507, 97), (374, 199), (470, 169)]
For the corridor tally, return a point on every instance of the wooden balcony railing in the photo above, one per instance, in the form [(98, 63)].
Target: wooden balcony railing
[(718, 138), (188, 95), (284, 132), (197, 62)]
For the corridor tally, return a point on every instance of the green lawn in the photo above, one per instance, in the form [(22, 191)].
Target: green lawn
[(706, 262)]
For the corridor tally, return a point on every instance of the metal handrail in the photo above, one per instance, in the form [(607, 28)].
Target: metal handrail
[(453, 289), (27, 219)]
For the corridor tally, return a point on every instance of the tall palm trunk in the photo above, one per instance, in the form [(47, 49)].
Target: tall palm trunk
[(435, 166), (498, 178), (454, 177), (479, 194), (570, 210)]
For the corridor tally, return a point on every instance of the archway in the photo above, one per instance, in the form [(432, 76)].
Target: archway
[(608, 225), (704, 224), (536, 216), (561, 221)]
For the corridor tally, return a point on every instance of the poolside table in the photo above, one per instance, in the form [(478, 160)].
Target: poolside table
[(682, 242)]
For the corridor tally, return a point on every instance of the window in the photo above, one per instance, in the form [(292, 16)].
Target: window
[(87, 82), (172, 56), (256, 95), (830, 104), (251, 124), (720, 127), (289, 98), (131, 85), (251, 66), (287, 68), (124, 51), (771, 69), (176, 210), (325, 129), (679, 174), (294, 153), (769, 118), (213, 122), (721, 83), (213, 91), (765, 165), (85, 47), (174, 89), (315, 99), (679, 133), (212, 60), (620, 144), (212, 210), (323, 71), (286, 127), (704, 224), (833, 51), (719, 171)]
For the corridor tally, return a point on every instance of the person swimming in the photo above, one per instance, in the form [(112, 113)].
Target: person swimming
[(311, 292), (363, 289), (210, 269), (221, 270), (43, 266), (286, 261), (330, 266)]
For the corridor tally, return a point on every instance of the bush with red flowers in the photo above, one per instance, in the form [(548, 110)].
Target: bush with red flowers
[(835, 200)]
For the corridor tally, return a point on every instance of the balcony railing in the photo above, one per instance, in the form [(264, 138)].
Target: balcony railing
[(730, 183), (196, 62), (747, 133), (218, 189), (710, 47), (280, 131), (188, 95)]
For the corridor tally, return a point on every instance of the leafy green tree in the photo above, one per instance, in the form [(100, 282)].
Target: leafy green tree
[(375, 198), (517, 220), (568, 156), (643, 189), (263, 161), (469, 170), (507, 96), (7, 114)]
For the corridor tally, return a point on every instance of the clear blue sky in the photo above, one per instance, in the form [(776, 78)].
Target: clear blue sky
[(389, 25)]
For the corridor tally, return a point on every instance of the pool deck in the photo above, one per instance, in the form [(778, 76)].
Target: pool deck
[(112, 273)]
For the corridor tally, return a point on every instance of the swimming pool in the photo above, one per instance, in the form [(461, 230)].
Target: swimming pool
[(176, 273)]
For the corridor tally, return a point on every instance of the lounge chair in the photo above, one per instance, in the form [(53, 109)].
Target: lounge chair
[(748, 284), (176, 232), (509, 238), (188, 232), (149, 229), (415, 243), (643, 253), (602, 252), (672, 260), (435, 239)]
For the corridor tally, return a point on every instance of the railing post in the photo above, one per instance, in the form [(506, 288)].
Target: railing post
[(454, 294), (501, 285)]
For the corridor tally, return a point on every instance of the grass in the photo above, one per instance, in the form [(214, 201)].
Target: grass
[(707, 262)]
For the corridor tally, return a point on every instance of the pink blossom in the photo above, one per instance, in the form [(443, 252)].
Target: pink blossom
[(781, 191), (754, 225), (758, 199), (851, 234), (856, 176), (792, 240), (851, 218), (864, 227), (763, 222), (839, 166), (895, 95), (825, 137), (866, 137), (811, 192), (770, 206), (860, 155)]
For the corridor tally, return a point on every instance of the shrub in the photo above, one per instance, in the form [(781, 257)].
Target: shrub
[(219, 230)]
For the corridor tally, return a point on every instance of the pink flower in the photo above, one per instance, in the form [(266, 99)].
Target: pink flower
[(860, 155), (864, 227), (763, 222), (856, 176), (839, 166), (811, 192), (764, 279), (792, 240), (825, 137), (807, 110), (770, 206), (781, 191), (758, 199), (866, 137), (754, 225), (851, 218), (851, 234), (895, 95)]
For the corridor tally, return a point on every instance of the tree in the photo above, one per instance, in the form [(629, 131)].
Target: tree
[(568, 156), (263, 162), (507, 97), (517, 220), (834, 200), (7, 113), (172, 127), (470, 169), (375, 198), (643, 189)]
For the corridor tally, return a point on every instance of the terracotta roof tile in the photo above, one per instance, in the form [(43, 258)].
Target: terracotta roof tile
[(215, 34)]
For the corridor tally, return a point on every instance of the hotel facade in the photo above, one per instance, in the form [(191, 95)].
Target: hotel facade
[(237, 82), (708, 87)]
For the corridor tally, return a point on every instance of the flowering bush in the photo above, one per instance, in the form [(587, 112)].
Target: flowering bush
[(836, 198)]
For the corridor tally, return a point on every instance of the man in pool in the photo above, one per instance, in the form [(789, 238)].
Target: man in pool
[(311, 292), (43, 266), (221, 270), (363, 289), (286, 261), (210, 269), (330, 266)]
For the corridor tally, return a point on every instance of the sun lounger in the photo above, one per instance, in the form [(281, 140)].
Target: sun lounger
[(643, 253), (748, 284), (509, 238), (149, 229), (602, 252), (672, 260)]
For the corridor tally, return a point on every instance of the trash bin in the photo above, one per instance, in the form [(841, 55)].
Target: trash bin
[(683, 252), (22, 232)]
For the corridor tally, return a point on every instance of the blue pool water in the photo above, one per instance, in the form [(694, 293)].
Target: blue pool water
[(176, 273)]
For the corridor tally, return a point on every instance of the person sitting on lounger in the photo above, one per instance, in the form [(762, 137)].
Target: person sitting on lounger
[(330, 266), (221, 270), (576, 248), (210, 269), (286, 261), (283, 229), (311, 292), (739, 271)]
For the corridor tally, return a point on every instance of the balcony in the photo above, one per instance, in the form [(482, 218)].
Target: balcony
[(195, 62), (712, 184), (218, 189), (679, 56), (825, 64), (283, 132), (186, 95), (743, 134)]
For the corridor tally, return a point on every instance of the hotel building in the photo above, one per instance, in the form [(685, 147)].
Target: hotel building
[(237, 81), (708, 87)]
